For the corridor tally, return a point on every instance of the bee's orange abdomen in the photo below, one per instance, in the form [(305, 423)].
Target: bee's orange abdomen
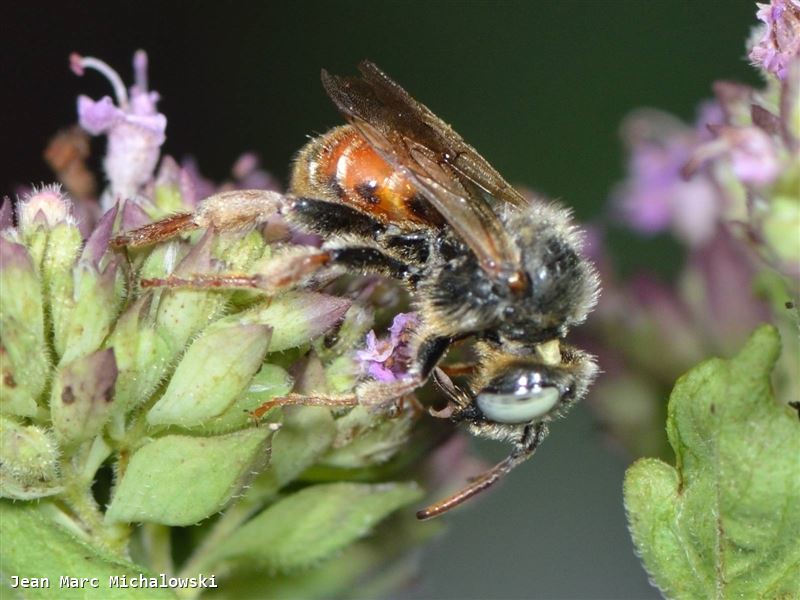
[(343, 164)]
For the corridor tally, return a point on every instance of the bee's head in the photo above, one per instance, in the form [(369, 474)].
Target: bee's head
[(515, 390), (522, 389)]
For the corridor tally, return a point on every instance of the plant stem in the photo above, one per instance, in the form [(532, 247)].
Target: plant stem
[(158, 547)]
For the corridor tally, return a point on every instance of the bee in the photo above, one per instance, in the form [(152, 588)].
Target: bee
[(397, 192)]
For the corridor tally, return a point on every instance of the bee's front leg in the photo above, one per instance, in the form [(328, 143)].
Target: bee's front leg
[(532, 437)]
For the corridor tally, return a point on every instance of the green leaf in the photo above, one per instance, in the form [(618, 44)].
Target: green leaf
[(35, 546), (724, 522), (180, 480), (310, 525)]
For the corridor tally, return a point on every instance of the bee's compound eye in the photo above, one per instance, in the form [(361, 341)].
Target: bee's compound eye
[(518, 408)]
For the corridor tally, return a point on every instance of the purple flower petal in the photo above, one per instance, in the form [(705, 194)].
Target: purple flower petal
[(99, 116), (133, 216), (380, 373), (753, 155), (389, 359), (15, 256)]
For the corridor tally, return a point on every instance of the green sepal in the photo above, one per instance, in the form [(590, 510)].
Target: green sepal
[(306, 434), (296, 317), (143, 354), (781, 228), (82, 395), (185, 312), (269, 382), (96, 301), (63, 246), (25, 363), (216, 369), (364, 439), (181, 479)]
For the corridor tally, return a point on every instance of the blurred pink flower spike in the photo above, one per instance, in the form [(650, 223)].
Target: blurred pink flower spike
[(657, 197), (388, 359), (752, 153), (135, 129), (776, 42)]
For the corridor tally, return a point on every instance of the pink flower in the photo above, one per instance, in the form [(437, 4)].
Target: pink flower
[(388, 359), (134, 127), (779, 40)]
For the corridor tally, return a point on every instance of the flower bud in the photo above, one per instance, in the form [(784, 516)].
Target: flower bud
[(83, 390), (29, 468), (45, 208)]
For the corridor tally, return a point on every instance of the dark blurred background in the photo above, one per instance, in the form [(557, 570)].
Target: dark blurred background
[(538, 87)]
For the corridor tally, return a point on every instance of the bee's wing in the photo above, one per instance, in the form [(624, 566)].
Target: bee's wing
[(451, 175)]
